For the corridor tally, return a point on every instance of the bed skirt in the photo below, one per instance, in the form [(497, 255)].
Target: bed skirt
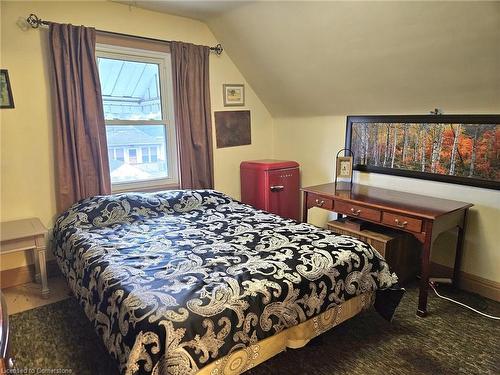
[(293, 337)]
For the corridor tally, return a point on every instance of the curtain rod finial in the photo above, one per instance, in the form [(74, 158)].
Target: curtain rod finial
[(436, 111), (217, 49), (34, 21)]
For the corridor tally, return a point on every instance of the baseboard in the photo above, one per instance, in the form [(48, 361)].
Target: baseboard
[(471, 283), (25, 274)]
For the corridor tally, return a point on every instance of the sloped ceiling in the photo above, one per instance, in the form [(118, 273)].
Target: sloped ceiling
[(333, 58)]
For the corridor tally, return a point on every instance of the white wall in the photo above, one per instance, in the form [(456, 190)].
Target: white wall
[(27, 177), (324, 58), (314, 141), (27, 160)]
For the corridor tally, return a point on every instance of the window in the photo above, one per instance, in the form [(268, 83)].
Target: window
[(145, 155), (154, 154), (137, 99), (119, 154), (132, 156)]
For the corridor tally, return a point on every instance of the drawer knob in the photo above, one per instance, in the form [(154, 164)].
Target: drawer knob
[(355, 212), (320, 203), (400, 224)]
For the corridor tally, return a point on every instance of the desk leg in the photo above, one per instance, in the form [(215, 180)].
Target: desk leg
[(304, 207), (425, 271), (40, 254), (459, 249)]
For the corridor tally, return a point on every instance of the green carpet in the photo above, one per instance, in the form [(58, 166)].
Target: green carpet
[(451, 340)]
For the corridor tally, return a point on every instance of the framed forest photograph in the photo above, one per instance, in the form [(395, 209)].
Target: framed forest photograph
[(461, 149)]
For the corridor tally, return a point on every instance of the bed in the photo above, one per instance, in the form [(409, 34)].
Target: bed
[(194, 282)]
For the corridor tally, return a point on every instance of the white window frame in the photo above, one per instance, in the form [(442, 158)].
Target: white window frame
[(164, 62)]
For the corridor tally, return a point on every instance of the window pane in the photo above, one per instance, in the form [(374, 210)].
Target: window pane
[(129, 139), (120, 154), (154, 154), (145, 155), (130, 89), (132, 156)]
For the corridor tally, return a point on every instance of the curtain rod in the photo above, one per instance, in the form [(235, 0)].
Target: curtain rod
[(35, 22)]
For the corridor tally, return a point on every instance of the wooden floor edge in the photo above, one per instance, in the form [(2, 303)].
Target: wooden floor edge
[(25, 274), (469, 282)]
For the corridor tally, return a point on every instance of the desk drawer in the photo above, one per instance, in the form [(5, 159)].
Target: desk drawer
[(403, 222), (317, 201), (350, 209)]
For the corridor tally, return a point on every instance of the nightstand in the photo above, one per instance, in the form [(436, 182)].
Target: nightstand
[(26, 234)]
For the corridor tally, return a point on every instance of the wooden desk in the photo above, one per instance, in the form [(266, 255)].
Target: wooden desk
[(26, 234), (424, 217)]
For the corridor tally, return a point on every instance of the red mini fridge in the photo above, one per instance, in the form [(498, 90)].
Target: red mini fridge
[(271, 185)]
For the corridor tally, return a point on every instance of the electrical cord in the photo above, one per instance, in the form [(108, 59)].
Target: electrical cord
[(461, 304)]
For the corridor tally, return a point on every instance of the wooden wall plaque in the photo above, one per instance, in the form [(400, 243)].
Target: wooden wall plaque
[(232, 128)]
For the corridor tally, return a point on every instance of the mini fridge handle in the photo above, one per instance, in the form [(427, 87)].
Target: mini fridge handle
[(277, 188)]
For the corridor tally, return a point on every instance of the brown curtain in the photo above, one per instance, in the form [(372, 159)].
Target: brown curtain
[(193, 114), (82, 168)]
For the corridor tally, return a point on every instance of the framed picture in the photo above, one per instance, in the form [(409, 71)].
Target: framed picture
[(234, 95), (460, 149), (344, 166), (232, 128), (6, 99)]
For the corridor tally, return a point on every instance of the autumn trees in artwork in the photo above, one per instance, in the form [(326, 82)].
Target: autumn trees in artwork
[(465, 150)]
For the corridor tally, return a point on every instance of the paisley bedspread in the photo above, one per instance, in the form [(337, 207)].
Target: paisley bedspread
[(174, 280)]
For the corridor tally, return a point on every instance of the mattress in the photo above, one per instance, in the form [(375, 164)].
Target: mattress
[(175, 281)]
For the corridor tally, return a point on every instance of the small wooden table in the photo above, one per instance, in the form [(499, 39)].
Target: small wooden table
[(26, 234), (424, 217)]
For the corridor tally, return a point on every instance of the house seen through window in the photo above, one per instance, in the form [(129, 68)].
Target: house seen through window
[(136, 89)]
